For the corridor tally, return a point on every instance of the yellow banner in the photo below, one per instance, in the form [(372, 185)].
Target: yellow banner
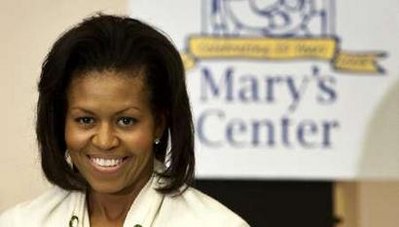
[(208, 47), (261, 48), (358, 62)]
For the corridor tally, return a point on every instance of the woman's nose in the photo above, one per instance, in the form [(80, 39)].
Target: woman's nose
[(105, 138)]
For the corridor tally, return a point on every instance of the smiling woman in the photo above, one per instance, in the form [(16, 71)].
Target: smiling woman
[(115, 133), (110, 130)]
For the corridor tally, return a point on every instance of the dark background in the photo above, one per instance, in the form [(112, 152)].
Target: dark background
[(275, 203)]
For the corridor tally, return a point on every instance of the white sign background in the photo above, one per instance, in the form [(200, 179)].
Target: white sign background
[(364, 143)]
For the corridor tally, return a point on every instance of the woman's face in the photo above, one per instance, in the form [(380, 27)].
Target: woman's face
[(110, 130)]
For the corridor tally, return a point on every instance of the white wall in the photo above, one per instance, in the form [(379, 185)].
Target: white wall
[(28, 29)]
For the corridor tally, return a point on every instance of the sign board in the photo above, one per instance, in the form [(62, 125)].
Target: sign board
[(294, 89)]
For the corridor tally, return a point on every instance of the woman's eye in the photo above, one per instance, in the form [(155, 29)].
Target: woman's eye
[(85, 120), (126, 121)]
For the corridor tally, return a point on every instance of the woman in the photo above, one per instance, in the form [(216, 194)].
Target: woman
[(115, 133)]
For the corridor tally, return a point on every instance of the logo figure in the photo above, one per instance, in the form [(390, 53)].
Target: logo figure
[(297, 30), (272, 18)]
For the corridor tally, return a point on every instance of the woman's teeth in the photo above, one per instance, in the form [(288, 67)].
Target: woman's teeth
[(107, 162)]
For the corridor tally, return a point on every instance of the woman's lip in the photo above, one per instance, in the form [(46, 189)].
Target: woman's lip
[(106, 157), (95, 163)]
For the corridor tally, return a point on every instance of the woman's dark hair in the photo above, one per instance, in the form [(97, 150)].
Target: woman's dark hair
[(120, 44)]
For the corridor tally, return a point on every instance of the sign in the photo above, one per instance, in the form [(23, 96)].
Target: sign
[(290, 89)]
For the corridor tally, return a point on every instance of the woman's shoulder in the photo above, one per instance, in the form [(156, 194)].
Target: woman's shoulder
[(51, 205), (199, 209)]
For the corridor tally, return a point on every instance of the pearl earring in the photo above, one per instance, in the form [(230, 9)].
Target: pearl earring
[(157, 141)]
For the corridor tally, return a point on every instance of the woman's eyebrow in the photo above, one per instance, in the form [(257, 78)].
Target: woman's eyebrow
[(128, 108), (82, 109)]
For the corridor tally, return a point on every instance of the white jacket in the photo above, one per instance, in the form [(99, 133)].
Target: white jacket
[(60, 208)]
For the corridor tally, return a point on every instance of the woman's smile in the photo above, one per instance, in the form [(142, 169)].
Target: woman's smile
[(107, 165)]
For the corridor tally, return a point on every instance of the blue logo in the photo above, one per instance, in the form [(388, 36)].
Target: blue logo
[(272, 18)]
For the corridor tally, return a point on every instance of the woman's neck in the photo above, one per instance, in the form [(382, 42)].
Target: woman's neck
[(111, 209)]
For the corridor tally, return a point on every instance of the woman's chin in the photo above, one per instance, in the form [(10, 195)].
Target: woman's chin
[(112, 188), (106, 188)]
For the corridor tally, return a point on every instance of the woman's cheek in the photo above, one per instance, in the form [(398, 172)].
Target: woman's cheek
[(138, 143), (76, 139)]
